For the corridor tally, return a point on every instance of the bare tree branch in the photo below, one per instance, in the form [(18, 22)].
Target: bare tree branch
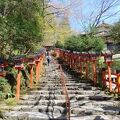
[(108, 16), (105, 6)]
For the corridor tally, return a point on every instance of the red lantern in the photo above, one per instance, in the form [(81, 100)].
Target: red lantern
[(2, 72), (108, 57), (93, 56), (31, 60), (108, 60), (37, 58), (19, 64)]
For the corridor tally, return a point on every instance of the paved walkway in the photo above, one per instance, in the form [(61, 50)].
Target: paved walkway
[(48, 102)]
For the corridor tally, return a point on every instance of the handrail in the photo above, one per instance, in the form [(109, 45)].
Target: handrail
[(65, 92)]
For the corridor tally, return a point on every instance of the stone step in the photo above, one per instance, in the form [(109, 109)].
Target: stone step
[(76, 84), (78, 103), (80, 91), (73, 102), (90, 111), (90, 92), (46, 88), (100, 98), (53, 97), (59, 91), (93, 117), (16, 115), (43, 102), (67, 84), (107, 104), (46, 92), (49, 85), (58, 81), (41, 109)]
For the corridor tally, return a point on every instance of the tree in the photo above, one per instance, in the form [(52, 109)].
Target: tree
[(59, 44), (21, 25), (102, 14), (115, 32), (100, 10), (84, 43), (57, 26)]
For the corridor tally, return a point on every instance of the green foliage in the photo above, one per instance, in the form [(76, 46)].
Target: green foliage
[(84, 43), (115, 31), (3, 82), (116, 65), (59, 44), (1, 95), (21, 25), (11, 102), (24, 85), (97, 43), (5, 88), (73, 43)]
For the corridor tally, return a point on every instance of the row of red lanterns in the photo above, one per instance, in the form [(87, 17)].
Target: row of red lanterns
[(33, 59), (88, 55)]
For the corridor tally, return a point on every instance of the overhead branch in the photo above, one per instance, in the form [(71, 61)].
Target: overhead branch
[(108, 16), (105, 6), (51, 13)]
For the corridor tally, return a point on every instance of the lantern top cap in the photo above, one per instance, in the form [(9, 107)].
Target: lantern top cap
[(78, 52), (31, 56), (107, 53), (41, 50), (84, 52), (1, 69), (94, 52), (108, 56), (19, 57), (20, 60), (1, 66), (37, 54), (74, 52), (68, 50)]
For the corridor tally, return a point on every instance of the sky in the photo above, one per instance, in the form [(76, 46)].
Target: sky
[(80, 11)]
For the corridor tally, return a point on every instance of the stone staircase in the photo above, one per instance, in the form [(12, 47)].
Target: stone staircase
[(48, 103)]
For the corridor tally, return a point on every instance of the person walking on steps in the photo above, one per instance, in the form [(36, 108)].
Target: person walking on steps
[(48, 59)]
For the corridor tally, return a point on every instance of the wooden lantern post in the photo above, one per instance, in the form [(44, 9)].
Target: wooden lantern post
[(2, 71), (37, 63), (31, 63), (19, 66), (103, 78), (68, 58), (70, 55), (86, 65), (57, 52), (80, 61), (65, 57), (118, 82), (94, 59), (60, 53), (40, 63), (108, 61), (74, 59), (77, 60)]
